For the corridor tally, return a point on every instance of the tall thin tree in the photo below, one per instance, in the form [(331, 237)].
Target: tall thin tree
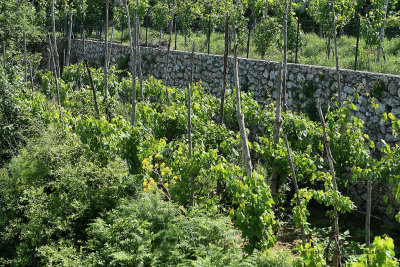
[(239, 114), (225, 73)]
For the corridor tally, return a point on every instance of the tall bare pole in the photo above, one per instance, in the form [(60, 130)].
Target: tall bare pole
[(69, 39), (171, 24), (239, 114), (382, 33), (106, 63), (56, 57), (190, 144), (55, 76), (225, 73), (31, 74), (139, 57), (133, 64), (338, 78), (285, 20), (336, 257), (25, 61), (4, 55), (368, 214), (277, 130), (192, 65), (296, 187), (111, 46)]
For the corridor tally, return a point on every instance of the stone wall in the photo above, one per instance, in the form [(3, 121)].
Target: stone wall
[(305, 83)]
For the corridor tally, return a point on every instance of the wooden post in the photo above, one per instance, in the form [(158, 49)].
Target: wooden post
[(382, 33), (209, 35), (108, 115), (4, 56), (239, 114), (133, 64), (31, 74), (285, 20), (25, 61), (168, 52), (55, 76), (192, 65), (297, 41), (357, 44), (277, 131), (93, 88), (55, 39), (139, 58), (248, 41), (225, 73), (176, 32), (339, 83), (111, 46), (368, 214), (190, 145), (336, 257), (69, 40), (296, 188)]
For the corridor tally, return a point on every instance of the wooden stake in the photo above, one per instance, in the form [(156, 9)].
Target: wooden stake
[(56, 57), (108, 115), (382, 33), (55, 76), (139, 58), (69, 40), (4, 56), (190, 145), (368, 215), (225, 73), (25, 61), (339, 83), (336, 257), (133, 65), (111, 47), (277, 131), (169, 51), (31, 74), (239, 114), (93, 88), (285, 20), (192, 65), (296, 187)]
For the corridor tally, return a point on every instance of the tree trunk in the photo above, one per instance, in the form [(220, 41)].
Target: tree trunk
[(336, 257), (190, 145), (69, 40), (108, 115), (382, 33), (133, 64), (55, 39), (285, 48), (339, 83), (171, 24), (225, 73), (25, 61), (55, 76), (277, 131), (239, 114), (93, 88), (296, 187), (368, 215)]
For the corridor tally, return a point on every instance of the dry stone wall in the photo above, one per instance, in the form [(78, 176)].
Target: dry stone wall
[(305, 83)]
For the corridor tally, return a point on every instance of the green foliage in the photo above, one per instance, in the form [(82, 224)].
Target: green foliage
[(311, 255), (381, 253)]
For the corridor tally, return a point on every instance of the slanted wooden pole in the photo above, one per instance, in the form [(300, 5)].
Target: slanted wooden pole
[(111, 47), (139, 57), (285, 48), (93, 88), (55, 76), (225, 73), (67, 60), (192, 65), (296, 188), (357, 43), (239, 114), (336, 257)]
